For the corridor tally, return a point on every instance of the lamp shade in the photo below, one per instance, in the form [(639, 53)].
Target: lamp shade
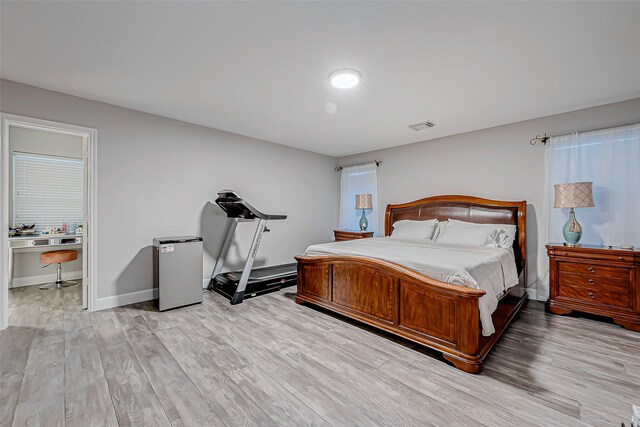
[(573, 195), (363, 201)]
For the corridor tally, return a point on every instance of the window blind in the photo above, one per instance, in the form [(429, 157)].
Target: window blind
[(47, 190)]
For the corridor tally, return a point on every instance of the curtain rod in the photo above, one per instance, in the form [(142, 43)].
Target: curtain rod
[(541, 139), (544, 139), (377, 162)]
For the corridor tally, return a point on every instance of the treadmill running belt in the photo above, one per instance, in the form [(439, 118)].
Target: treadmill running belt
[(261, 281), (264, 273)]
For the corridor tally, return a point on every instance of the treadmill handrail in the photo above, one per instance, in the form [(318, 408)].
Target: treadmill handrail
[(236, 207)]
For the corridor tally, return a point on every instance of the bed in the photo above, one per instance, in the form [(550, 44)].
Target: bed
[(402, 301)]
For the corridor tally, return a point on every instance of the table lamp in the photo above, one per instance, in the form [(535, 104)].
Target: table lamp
[(363, 201), (573, 195)]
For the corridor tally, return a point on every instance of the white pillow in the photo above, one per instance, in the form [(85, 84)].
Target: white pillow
[(463, 235), (503, 238), (496, 235), (414, 230)]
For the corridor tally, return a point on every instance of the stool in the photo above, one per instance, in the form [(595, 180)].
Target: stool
[(53, 257)]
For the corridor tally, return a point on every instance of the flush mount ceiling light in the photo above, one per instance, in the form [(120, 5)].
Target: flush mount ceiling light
[(345, 78), (422, 125)]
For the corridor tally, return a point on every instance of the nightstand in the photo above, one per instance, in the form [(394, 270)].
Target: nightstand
[(596, 280), (342, 235)]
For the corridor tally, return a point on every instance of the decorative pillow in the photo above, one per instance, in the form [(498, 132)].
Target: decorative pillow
[(497, 235), (414, 230), (498, 238)]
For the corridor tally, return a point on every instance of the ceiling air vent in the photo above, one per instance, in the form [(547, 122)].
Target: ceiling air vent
[(422, 125)]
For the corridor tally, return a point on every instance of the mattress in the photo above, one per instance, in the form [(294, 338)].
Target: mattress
[(492, 270)]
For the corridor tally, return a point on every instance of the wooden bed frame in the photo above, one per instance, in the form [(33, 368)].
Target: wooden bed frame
[(398, 300)]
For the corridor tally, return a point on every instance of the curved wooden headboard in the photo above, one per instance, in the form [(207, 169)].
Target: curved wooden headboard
[(466, 208)]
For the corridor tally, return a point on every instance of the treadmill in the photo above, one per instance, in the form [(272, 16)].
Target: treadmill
[(238, 285)]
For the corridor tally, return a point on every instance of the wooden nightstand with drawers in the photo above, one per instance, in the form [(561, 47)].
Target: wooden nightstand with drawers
[(595, 280), (342, 235)]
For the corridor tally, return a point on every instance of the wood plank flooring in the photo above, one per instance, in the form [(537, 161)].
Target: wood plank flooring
[(271, 362)]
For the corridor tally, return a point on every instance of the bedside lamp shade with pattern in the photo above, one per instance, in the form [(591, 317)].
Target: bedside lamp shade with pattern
[(364, 201), (573, 195)]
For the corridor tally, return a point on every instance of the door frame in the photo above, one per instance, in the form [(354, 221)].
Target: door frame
[(90, 235)]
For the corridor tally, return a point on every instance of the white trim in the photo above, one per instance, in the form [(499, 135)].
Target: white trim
[(125, 299), (534, 295), (90, 241), (4, 224), (44, 278), (90, 237)]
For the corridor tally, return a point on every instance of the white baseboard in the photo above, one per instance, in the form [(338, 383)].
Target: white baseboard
[(125, 299), (535, 295), (132, 298), (41, 279)]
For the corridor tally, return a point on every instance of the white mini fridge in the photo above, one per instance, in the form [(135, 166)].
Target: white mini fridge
[(177, 271)]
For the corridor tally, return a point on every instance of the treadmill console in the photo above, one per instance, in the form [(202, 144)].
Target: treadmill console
[(233, 205), (236, 207)]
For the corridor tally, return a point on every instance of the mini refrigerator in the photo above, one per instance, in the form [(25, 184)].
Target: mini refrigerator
[(177, 271)]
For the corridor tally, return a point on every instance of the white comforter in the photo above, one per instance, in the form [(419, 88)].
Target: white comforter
[(492, 270)]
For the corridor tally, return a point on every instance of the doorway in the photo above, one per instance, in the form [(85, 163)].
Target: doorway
[(47, 216)]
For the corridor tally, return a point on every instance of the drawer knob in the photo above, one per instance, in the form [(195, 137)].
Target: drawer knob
[(591, 269), (621, 258), (592, 295), (591, 281)]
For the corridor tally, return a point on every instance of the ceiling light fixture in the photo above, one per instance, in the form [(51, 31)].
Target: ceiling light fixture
[(345, 78), (422, 125)]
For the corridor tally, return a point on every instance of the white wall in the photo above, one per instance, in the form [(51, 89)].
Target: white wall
[(158, 177), (27, 268), (496, 163)]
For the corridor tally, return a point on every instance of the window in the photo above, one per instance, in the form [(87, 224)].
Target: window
[(47, 190), (362, 179), (610, 158)]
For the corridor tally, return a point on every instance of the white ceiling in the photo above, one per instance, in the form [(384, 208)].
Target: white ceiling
[(260, 69)]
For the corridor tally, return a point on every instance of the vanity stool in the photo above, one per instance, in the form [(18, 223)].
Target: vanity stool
[(58, 257)]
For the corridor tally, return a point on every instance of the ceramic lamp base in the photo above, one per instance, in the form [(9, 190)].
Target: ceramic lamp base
[(363, 222), (572, 230)]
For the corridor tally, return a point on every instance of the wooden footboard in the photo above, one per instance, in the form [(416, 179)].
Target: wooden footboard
[(403, 302)]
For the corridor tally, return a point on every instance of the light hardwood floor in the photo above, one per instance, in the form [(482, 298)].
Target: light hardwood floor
[(270, 362)]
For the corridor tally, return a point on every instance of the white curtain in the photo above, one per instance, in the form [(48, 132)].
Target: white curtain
[(361, 179), (610, 158)]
